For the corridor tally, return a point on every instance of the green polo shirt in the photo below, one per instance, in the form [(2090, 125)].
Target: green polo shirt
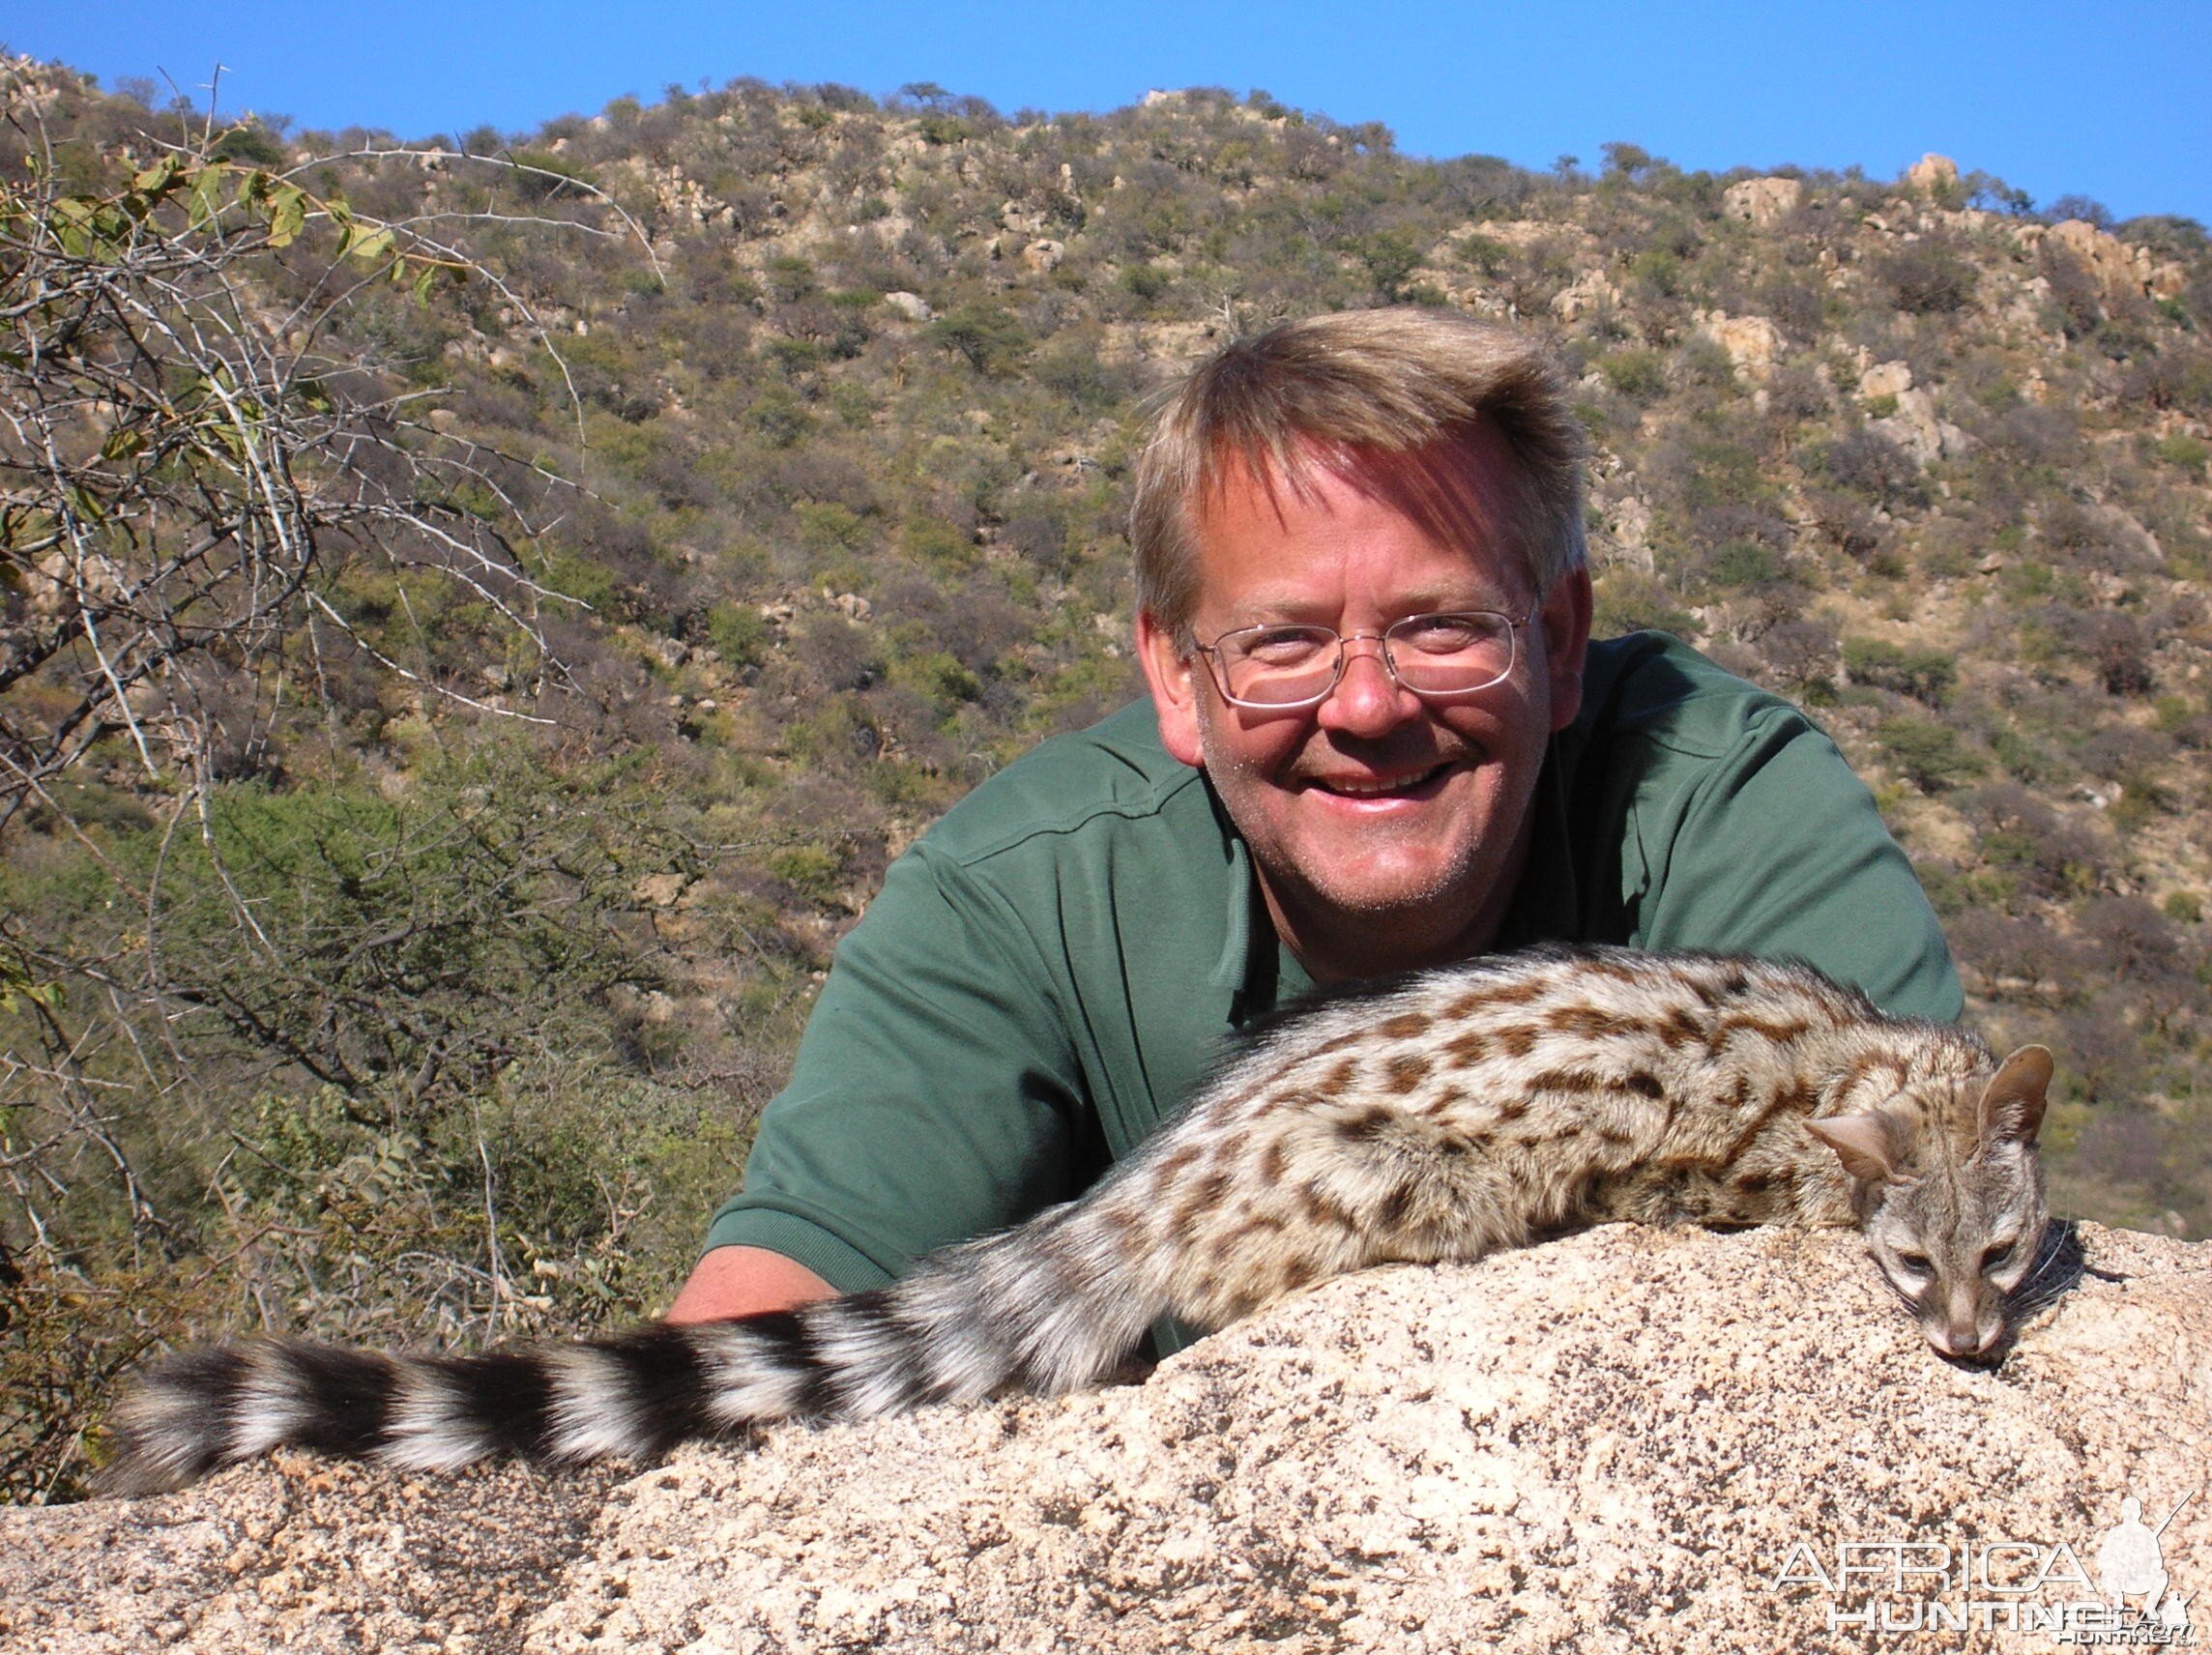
[(1047, 972)]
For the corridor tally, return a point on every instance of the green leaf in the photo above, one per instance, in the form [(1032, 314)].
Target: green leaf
[(157, 179), (373, 246), (424, 283), (206, 198), (287, 214), (122, 443)]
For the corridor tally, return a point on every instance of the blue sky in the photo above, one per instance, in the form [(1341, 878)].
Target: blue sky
[(2100, 97)]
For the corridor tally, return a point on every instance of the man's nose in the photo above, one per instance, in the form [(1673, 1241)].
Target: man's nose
[(1368, 699)]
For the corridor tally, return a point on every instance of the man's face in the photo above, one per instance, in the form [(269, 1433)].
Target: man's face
[(1388, 830)]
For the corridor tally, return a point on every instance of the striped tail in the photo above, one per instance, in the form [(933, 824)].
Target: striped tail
[(1047, 1307)]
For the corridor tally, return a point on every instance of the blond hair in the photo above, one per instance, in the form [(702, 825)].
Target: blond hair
[(1389, 400)]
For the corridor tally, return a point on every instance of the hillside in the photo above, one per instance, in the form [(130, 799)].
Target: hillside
[(409, 965)]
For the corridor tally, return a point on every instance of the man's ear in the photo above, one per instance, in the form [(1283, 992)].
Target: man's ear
[(1566, 619), (1173, 679)]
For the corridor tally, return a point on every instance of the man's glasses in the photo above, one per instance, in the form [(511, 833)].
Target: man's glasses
[(1279, 666)]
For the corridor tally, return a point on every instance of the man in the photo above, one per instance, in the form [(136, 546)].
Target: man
[(1378, 738)]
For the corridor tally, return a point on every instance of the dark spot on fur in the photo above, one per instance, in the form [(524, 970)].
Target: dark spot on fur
[(1174, 1162), (1781, 1031), (1324, 1209), (1516, 1042), (1406, 1071), (1589, 1021), (1407, 1025), (1645, 1083), (1571, 1081), (1443, 1103), (1467, 1049), (1367, 1125), (1392, 1212)]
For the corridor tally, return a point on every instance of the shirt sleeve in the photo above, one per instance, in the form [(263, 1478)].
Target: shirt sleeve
[(936, 1095), (1777, 850)]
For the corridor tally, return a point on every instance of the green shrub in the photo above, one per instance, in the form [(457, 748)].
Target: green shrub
[(1924, 675), (813, 870), (1927, 754), (987, 336), (1146, 281), (2183, 451), (1640, 375), (739, 634)]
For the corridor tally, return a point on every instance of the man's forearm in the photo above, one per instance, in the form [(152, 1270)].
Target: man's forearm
[(746, 1281)]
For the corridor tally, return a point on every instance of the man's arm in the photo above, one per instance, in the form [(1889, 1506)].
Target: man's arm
[(746, 1281), (933, 1099)]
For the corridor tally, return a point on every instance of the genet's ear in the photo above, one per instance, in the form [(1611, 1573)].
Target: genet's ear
[(1866, 1144), (2013, 1103)]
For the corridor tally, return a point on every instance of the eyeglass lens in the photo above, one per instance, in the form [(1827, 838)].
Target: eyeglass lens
[(1431, 655)]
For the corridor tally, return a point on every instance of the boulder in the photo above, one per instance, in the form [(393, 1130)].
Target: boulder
[(1592, 290), (2120, 269), (1931, 175), (1752, 343), (1625, 1439), (1886, 379), (1763, 201), (1916, 429)]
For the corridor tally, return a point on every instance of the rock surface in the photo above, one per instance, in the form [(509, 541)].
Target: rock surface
[(1752, 343), (1932, 174), (1625, 1439), (1763, 201)]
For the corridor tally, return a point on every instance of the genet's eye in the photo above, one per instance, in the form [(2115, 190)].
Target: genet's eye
[(1996, 1257), (1914, 1264)]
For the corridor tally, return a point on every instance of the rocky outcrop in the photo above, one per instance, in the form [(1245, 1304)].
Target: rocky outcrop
[(1752, 343), (2121, 269), (1763, 201), (1911, 423), (1932, 175), (1626, 1438)]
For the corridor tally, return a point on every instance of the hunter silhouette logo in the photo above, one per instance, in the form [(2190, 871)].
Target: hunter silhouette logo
[(2131, 1563)]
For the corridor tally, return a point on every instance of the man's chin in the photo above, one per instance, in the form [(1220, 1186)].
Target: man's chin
[(1399, 895)]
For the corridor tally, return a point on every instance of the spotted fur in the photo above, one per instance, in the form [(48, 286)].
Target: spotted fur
[(1439, 1117)]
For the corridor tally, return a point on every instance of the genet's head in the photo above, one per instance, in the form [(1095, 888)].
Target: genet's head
[(1348, 475), (1948, 1188)]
